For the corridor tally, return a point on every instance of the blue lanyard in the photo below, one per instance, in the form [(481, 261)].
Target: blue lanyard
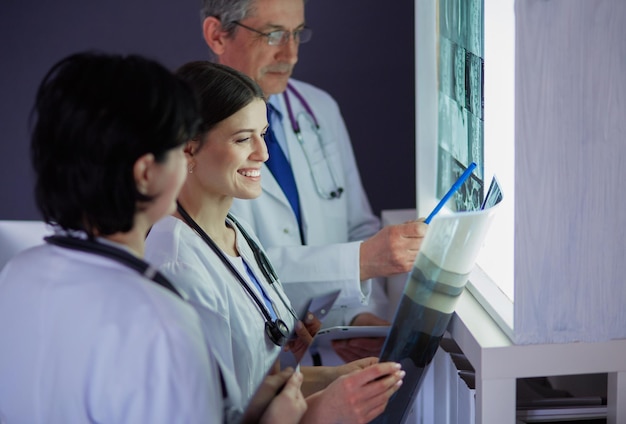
[(266, 298)]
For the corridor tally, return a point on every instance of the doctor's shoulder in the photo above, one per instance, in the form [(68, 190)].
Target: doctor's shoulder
[(169, 333)]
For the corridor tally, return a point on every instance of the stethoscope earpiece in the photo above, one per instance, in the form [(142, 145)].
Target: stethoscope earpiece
[(336, 193)]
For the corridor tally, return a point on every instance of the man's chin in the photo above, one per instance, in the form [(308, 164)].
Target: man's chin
[(274, 83)]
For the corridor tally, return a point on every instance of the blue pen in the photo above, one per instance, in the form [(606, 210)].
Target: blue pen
[(457, 184)]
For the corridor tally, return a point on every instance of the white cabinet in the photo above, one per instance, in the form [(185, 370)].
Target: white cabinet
[(498, 363)]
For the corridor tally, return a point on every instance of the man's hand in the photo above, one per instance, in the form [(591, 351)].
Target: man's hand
[(392, 250)]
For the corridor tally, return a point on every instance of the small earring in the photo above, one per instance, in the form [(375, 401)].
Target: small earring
[(190, 169)]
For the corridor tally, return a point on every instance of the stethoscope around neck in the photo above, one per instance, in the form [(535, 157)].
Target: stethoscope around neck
[(92, 246), (310, 118), (276, 329)]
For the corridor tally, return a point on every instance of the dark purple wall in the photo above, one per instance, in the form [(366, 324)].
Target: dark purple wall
[(363, 56)]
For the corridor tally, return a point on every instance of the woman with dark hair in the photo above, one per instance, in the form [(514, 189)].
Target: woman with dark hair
[(216, 260), (86, 335)]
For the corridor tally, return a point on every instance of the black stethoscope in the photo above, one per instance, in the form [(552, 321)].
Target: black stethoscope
[(276, 330), (126, 258), (310, 118)]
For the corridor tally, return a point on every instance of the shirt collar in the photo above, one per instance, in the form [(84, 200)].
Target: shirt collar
[(274, 103)]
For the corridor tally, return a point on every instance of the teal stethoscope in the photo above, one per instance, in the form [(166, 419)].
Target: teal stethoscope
[(309, 117)]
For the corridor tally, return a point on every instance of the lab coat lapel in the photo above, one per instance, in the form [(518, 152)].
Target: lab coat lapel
[(271, 186), (272, 189), (297, 160)]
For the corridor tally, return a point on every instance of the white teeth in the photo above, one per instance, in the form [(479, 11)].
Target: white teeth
[(254, 173)]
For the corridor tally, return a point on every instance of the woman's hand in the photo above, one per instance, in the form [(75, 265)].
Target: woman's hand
[(318, 378), (357, 397), (289, 406)]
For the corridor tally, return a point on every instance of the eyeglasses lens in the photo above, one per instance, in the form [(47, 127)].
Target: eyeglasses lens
[(280, 38)]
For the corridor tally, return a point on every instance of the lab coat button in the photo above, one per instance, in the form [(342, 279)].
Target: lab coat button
[(286, 230)]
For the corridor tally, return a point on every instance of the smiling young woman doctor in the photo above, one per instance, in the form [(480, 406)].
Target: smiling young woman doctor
[(208, 255)]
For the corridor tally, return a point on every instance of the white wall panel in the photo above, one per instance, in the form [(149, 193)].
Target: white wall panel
[(570, 208)]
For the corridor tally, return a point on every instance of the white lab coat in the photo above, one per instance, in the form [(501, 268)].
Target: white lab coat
[(333, 229), (86, 339), (191, 265)]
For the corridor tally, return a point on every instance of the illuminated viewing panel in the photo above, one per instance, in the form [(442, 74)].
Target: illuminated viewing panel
[(460, 101), (551, 267), (465, 81)]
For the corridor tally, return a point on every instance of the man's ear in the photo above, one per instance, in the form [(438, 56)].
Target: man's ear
[(214, 35), (143, 173)]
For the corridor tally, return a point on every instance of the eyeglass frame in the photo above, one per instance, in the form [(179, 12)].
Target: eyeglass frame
[(282, 40)]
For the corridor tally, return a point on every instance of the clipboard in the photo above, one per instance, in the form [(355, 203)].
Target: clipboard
[(326, 335)]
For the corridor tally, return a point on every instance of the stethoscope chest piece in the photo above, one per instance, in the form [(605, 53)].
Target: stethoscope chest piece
[(277, 331)]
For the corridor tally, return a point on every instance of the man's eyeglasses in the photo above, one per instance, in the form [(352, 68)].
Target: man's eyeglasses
[(281, 37)]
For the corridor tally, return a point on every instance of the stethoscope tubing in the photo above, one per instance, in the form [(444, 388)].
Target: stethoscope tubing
[(260, 257), (125, 258), (295, 126), (294, 122)]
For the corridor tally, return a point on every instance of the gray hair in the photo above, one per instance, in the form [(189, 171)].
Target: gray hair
[(227, 11)]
